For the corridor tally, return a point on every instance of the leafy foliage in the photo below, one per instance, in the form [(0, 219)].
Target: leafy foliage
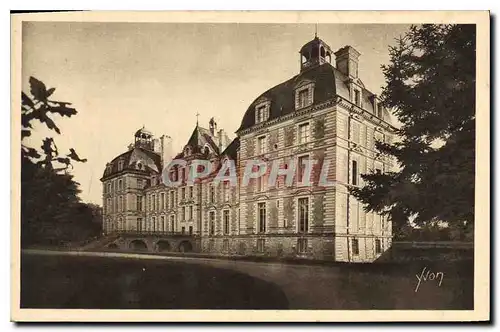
[(50, 207), (430, 85)]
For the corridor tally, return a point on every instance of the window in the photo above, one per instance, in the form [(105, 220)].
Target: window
[(226, 221), (172, 223), (172, 199), (190, 230), (357, 97), (261, 114), (378, 246), (226, 189), (380, 111), (183, 173), (355, 247), (139, 184), (191, 192), (261, 145), (303, 98), (302, 246), (139, 224), (120, 165), (162, 201), (261, 245), (225, 245), (303, 133), (356, 132), (212, 222), (153, 219), (120, 184), (303, 217), (162, 224), (183, 210), (301, 169), (190, 212), (212, 194), (183, 230), (262, 217), (354, 180), (153, 200), (261, 183), (109, 187), (183, 191)]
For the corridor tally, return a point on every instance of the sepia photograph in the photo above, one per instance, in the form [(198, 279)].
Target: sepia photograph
[(250, 166)]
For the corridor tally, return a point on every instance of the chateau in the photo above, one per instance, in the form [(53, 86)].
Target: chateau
[(324, 115)]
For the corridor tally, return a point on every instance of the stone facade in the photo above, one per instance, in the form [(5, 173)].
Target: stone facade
[(325, 115)]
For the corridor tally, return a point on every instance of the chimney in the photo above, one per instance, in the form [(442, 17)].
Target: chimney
[(213, 126), (346, 61), (221, 141), (166, 150)]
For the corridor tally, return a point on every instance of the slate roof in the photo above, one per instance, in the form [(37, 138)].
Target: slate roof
[(329, 82), (150, 160)]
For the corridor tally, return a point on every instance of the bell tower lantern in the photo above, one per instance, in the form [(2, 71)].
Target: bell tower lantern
[(314, 53)]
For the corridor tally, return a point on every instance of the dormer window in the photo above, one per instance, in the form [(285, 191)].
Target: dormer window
[(261, 112), (187, 151), (140, 166), (357, 97), (304, 95), (120, 165), (380, 111)]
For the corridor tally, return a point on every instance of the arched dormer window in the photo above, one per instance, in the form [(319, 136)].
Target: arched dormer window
[(140, 165), (262, 110), (206, 149), (120, 165), (187, 151)]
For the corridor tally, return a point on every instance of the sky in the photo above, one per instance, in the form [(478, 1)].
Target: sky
[(122, 76)]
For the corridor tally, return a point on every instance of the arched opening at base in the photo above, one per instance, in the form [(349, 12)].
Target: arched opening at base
[(162, 246), (138, 245), (185, 246), (112, 246)]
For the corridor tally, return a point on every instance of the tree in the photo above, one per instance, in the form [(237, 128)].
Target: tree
[(430, 85), (49, 195)]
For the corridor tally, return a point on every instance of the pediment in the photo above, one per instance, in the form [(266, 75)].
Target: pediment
[(302, 82)]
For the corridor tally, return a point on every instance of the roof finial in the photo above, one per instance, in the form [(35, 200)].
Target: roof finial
[(197, 115), (316, 31)]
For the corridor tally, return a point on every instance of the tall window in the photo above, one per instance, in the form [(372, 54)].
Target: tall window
[(212, 194), (109, 187), (378, 246), (153, 221), (355, 247), (303, 217), (303, 98), (172, 223), (190, 212), (183, 191), (303, 133), (261, 114), (162, 201), (172, 199), (162, 224), (302, 246), (120, 184), (153, 200), (357, 97), (261, 245), (190, 230), (261, 145), (183, 210), (212, 222), (139, 224), (261, 183), (191, 192), (301, 169), (380, 112), (262, 217), (226, 221), (354, 179)]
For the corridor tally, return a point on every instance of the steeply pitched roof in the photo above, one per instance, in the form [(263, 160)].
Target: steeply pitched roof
[(201, 137), (232, 149), (328, 83)]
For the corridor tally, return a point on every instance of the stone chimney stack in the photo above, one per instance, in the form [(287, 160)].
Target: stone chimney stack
[(346, 61), (213, 126), (221, 141), (166, 150)]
